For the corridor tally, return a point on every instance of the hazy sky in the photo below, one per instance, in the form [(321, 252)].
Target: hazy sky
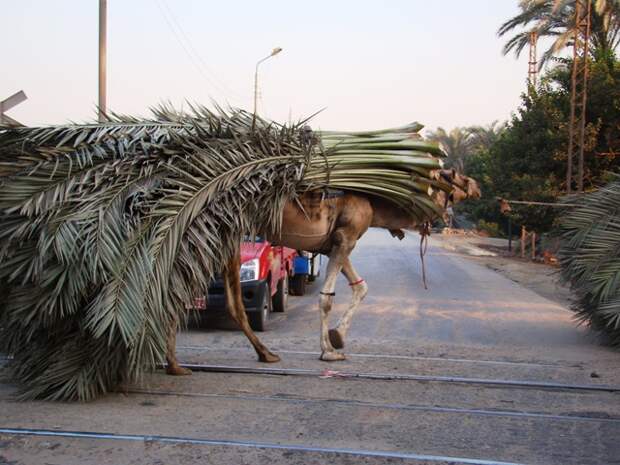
[(372, 64)]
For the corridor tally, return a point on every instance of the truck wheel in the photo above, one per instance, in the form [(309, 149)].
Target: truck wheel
[(259, 318), (298, 284), (280, 299)]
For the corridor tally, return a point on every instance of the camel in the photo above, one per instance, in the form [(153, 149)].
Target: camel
[(329, 224)]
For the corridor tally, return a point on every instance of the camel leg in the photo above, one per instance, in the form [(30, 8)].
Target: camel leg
[(232, 287), (340, 253), (359, 289), (173, 367)]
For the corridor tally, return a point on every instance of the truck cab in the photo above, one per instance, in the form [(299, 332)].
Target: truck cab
[(307, 267), (264, 274)]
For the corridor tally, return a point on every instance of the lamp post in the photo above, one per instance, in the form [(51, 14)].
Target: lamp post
[(274, 52), (103, 33)]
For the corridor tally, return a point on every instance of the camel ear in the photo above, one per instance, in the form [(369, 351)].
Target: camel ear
[(453, 173), (470, 186), (473, 189)]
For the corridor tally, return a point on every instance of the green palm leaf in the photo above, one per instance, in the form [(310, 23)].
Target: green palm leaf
[(590, 258)]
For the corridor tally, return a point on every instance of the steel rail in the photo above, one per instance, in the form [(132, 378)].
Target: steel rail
[(401, 377), (391, 356), (375, 405), (251, 444)]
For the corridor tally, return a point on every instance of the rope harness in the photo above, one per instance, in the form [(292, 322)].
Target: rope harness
[(333, 294), (425, 228), (425, 231)]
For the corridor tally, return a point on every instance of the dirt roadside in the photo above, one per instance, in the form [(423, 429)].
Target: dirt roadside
[(493, 253)]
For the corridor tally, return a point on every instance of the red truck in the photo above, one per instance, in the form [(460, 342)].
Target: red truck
[(265, 272)]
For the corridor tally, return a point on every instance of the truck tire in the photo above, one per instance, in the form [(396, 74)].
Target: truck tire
[(280, 299), (259, 318), (298, 284)]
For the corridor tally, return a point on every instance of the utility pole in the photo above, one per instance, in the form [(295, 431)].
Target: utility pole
[(532, 72), (103, 32), (579, 85)]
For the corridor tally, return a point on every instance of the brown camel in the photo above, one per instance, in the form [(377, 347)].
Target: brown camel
[(330, 225)]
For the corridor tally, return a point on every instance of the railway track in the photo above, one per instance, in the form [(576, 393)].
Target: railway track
[(400, 376), (396, 357), (250, 444), (302, 403), (386, 406)]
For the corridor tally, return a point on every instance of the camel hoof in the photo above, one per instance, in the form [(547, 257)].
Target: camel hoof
[(336, 339), (332, 356), (178, 371), (268, 357)]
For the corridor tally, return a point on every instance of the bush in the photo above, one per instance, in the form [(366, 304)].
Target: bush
[(493, 229)]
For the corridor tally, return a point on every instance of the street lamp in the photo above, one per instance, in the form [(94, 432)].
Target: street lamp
[(274, 52)]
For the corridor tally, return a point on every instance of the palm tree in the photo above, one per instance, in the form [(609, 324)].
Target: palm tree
[(483, 137), (458, 145), (556, 19)]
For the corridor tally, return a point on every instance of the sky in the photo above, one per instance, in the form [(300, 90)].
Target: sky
[(368, 64)]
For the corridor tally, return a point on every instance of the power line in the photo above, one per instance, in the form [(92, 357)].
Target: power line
[(192, 57), (213, 74)]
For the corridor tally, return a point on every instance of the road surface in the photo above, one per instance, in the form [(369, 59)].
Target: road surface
[(474, 370)]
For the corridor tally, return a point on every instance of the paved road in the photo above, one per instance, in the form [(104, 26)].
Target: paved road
[(467, 307), (474, 370), (465, 303)]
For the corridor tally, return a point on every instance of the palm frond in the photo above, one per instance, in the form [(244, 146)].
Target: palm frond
[(590, 258), (556, 19)]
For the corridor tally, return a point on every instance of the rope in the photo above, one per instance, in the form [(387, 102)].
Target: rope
[(425, 231)]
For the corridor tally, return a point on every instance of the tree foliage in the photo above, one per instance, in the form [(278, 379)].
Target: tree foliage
[(457, 144), (528, 159)]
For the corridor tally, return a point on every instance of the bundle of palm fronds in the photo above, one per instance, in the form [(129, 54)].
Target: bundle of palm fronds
[(108, 230), (395, 164), (590, 258)]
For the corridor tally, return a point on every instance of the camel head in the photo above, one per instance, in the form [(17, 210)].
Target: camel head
[(463, 187)]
